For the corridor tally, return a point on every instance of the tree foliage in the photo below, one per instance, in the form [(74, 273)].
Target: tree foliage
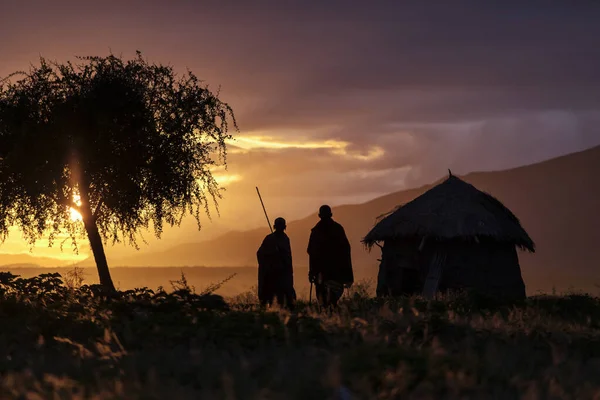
[(133, 141)]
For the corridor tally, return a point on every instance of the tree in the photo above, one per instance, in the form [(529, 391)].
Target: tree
[(127, 144)]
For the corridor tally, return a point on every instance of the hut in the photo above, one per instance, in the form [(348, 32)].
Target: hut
[(452, 237)]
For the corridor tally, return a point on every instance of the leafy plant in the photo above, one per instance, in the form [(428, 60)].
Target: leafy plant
[(74, 278), (61, 343), (216, 286), (181, 285)]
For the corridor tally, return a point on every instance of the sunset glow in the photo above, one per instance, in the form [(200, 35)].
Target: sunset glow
[(374, 153), (75, 215), (267, 142), (226, 179), (332, 114), (326, 199), (335, 147)]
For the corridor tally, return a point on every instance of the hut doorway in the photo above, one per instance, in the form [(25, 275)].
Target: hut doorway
[(400, 271)]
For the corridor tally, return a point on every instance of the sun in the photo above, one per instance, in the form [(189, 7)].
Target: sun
[(75, 216)]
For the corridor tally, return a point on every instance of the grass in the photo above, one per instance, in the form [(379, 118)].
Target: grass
[(66, 341)]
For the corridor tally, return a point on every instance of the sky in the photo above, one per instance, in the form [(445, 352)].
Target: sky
[(343, 101)]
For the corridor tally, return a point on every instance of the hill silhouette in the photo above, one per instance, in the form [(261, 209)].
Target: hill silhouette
[(556, 201), (21, 260)]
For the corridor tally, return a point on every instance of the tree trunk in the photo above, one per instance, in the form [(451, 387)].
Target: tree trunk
[(98, 251), (79, 176), (89, 221)]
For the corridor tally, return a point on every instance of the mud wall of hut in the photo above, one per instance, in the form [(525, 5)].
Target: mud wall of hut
[(486, 266), (489, 267)]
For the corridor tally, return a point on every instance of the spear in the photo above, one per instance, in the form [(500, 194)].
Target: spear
[(263, 206)]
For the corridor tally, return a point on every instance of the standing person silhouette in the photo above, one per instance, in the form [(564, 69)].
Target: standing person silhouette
[(330, 260), (275, 271)]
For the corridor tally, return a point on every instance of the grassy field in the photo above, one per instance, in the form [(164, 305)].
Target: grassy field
[(62, 341)]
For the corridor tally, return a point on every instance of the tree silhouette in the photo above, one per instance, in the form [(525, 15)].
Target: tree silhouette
[(128, 144)]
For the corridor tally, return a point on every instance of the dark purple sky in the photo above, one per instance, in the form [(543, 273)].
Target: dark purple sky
[(360, 98)]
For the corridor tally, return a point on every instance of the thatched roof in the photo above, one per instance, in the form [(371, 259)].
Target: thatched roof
[(451, 210)]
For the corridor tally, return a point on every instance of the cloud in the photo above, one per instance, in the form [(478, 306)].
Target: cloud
[(341, 149), (266, 142), (414, 154)]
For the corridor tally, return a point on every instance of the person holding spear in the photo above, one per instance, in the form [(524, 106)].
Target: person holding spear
[(275, 270)]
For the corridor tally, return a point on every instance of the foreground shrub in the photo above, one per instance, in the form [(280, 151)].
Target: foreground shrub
[(75, 343)]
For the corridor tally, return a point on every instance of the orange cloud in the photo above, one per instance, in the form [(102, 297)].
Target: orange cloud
[(244, 144)]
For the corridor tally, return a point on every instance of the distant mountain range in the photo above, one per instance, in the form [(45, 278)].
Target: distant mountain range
[(8, 261), (556, 200)]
